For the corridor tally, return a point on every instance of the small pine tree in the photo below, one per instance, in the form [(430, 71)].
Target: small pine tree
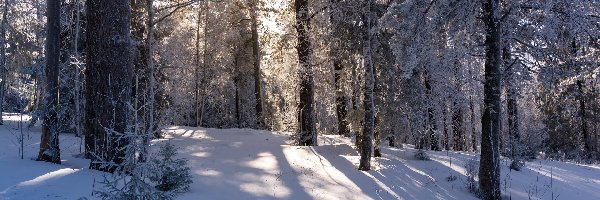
[(129, 180), (171, 175)]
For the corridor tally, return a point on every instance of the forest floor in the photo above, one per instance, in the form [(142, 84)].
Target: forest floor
[(251, 164)]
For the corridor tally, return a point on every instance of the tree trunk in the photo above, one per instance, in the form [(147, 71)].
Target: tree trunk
[(306, 115), (151, 126), (431, 139), (489, 166), (3, 70), (260, 121), (238, 115), (511, 105), (49, 147), (473, 127), (197, 72), (445, 141), (340, 100), (369, 124), (458, 135), (151, 71), (377, 137), (108, 81), (236, 85), (584, 131), (140, 75), (78, 118), (338, 69), (205, 55)]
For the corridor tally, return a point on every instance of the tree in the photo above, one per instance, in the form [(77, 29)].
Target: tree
[(369, 124), (3, 71), (108, 81), (306, 112), (260, 122), (49, 145), (489, 164)]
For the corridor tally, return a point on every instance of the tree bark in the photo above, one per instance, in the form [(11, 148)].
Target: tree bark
[(108, 81), (151, 125), (431, 139), (473, 127), (260, 121), (236, 84), (369, 124), (457, 129), (340, 100), (78, 118), (49, 144), (3, 70), (306, 115), (489, 166), (584, 131), (197, 72), (511, 105), (446, 140), (377, 137)]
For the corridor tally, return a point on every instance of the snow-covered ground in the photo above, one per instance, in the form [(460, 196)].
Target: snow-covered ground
[(250, 164)]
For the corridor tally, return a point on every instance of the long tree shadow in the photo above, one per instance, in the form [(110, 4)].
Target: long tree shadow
[(258, 165), (394, 177), (250, 163)]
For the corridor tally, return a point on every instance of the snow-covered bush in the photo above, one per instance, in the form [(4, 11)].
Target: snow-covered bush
[(171, 175), (421, 155)]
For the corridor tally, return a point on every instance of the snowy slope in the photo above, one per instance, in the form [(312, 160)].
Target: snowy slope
[(250, 164)]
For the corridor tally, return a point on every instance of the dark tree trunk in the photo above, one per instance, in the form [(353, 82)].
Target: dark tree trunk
[(3, 69), (359, 137), (355, 86), (206, 57), (260, 121), (338, 67), (511, 105), (513, 121), (306, 116), (49, 147), (236, 85), (446, 140), (197, 73), (238, 115), (584, 131), (489, 166), (108, 81), (377, 137), (78, 96), (431, 138), (340, 100), (369, 124), (392, 141), (140, 58), (458, 135), (151, 114), (473, 127)]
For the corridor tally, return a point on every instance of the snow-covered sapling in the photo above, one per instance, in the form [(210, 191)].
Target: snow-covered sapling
[(171, 175)]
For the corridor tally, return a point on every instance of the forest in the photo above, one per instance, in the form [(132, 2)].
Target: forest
[(170, 99)]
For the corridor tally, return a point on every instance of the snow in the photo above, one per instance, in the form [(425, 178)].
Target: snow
[(251, 164)]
